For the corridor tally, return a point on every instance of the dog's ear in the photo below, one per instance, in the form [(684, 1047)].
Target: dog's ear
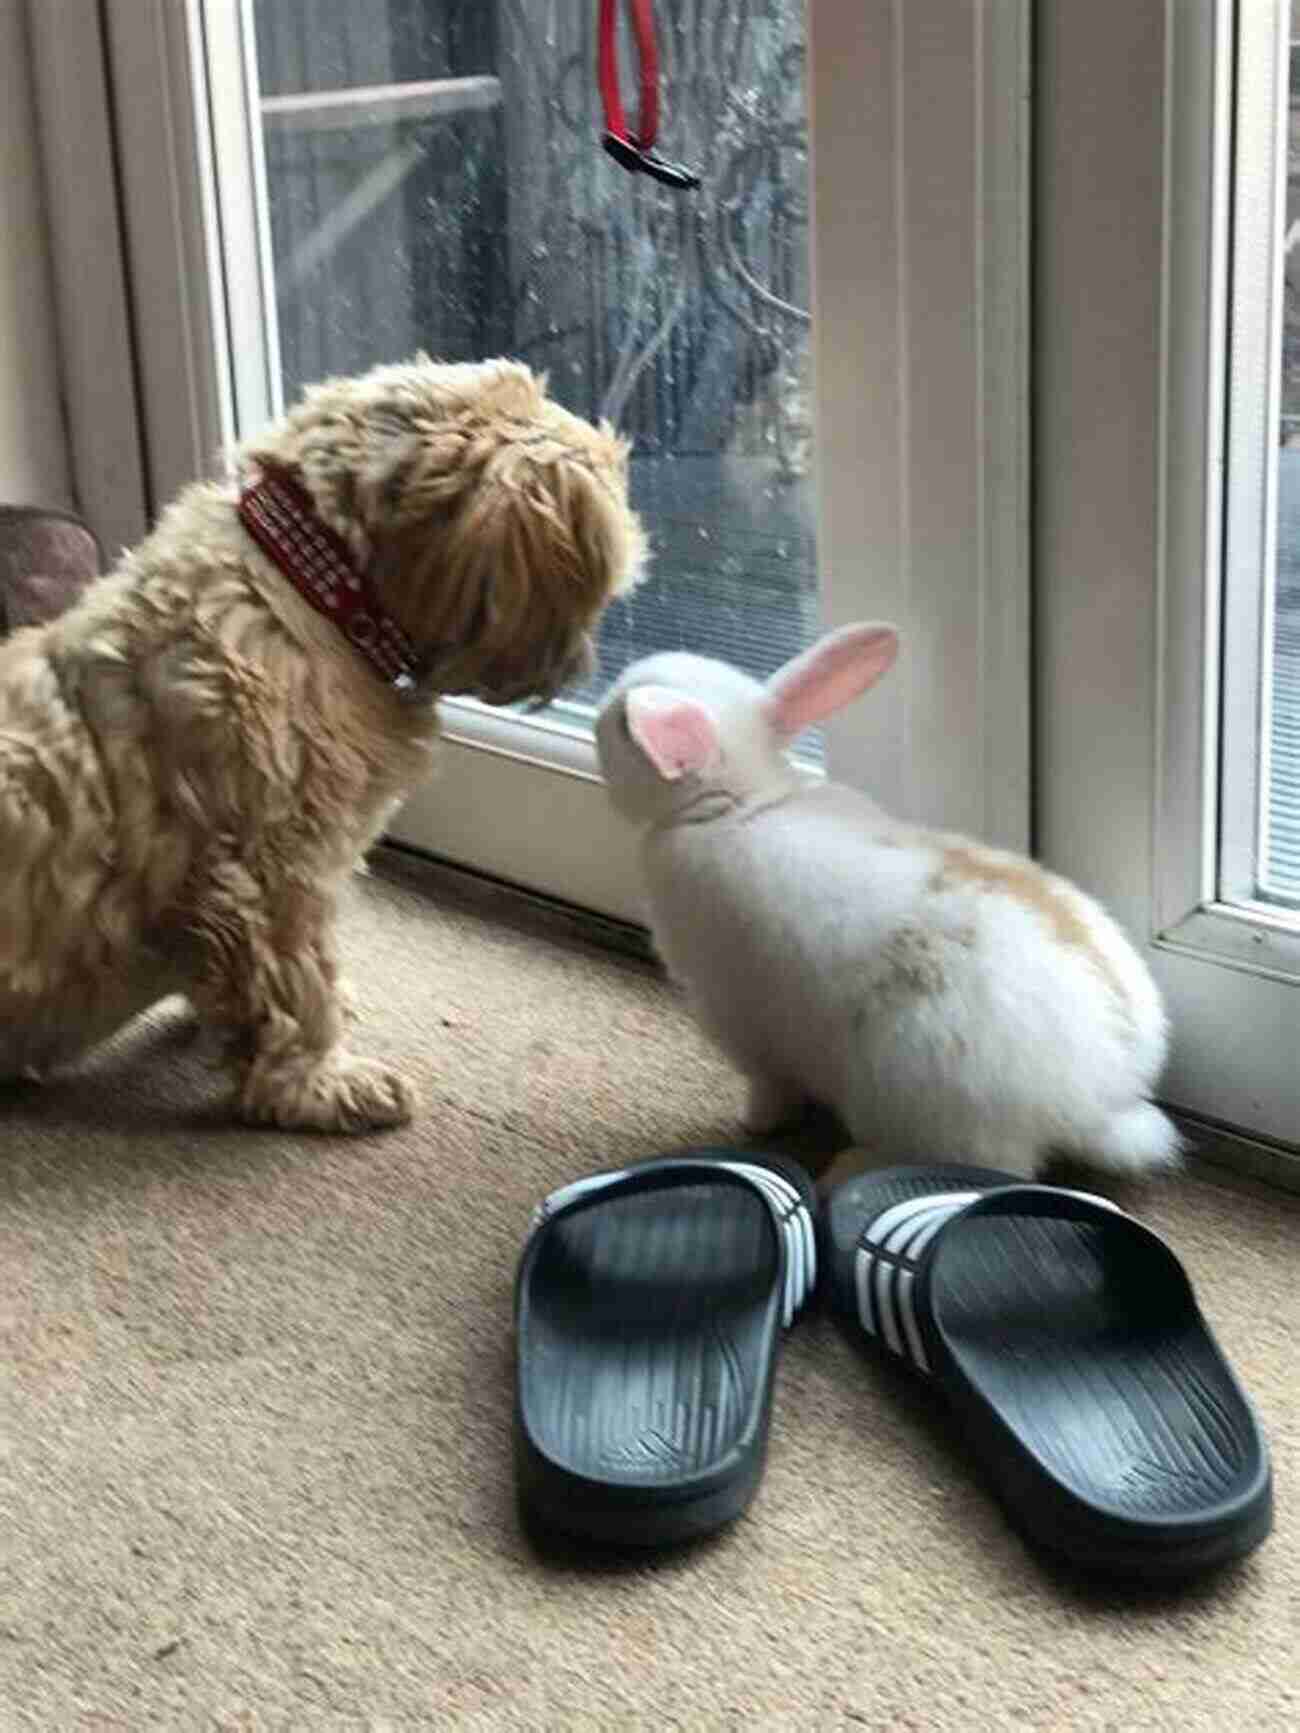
[(543, 517), (510, 544)]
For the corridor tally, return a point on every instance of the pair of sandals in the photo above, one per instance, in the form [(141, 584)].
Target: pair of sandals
[(651, 1304)]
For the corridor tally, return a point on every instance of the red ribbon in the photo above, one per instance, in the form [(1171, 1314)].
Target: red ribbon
[(647, 48), (635, 150)]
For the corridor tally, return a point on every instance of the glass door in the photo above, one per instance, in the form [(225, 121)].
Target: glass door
[(403, 175), (1260, 864)]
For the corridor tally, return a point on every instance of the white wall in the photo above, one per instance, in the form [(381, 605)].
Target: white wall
[(33, 447)]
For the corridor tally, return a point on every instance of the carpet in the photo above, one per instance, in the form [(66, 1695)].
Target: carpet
[(255, 1408)]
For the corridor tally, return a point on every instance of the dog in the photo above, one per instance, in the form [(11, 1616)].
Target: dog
[(194, 757)]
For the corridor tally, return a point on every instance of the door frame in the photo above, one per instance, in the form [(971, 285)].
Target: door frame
[(1130, 333)]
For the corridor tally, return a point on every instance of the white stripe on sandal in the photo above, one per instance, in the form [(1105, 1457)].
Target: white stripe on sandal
[(789, 1212), (888, 1260)]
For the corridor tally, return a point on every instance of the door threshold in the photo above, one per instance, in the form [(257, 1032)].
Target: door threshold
[(486, 890)]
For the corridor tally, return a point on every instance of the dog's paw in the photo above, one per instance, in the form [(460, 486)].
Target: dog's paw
[(341, 1094), (366, 1096)]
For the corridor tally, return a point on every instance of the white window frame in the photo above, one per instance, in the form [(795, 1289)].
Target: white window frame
[(921, 136), (1129, 431)]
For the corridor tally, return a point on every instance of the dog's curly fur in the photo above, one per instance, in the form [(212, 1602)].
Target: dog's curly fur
[(192, 759)]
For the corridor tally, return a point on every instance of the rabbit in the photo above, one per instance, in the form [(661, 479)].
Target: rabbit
[(945, 999)]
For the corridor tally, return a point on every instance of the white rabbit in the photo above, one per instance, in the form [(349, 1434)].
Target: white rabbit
[(949, 1001)]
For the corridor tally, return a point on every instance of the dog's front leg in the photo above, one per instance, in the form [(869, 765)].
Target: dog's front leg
[(271, 984)]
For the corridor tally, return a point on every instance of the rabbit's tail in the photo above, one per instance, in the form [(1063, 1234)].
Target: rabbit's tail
[(1141, 1139)]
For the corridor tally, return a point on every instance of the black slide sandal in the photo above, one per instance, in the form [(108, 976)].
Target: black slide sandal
[(649, 1310), (1067, 1341)]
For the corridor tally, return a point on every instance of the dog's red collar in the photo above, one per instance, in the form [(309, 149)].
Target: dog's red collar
[(279, 514)]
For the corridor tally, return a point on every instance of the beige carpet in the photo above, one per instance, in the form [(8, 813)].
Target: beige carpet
[(255, 1413)]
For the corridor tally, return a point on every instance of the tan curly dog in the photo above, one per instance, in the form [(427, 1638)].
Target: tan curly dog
[(194, 757)]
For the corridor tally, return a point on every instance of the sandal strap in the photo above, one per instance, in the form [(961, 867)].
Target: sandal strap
[(896, 1246), (787, 1206)]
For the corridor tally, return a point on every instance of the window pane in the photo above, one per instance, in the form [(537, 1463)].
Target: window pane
[(473, 213), (1280, 874)]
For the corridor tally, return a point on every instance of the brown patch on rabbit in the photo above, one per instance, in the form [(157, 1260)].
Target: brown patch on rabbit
[(911, 961), (1032, 888)]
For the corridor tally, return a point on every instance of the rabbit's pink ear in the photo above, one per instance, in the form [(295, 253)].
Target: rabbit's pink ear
[(677, 734), (829, 675)]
